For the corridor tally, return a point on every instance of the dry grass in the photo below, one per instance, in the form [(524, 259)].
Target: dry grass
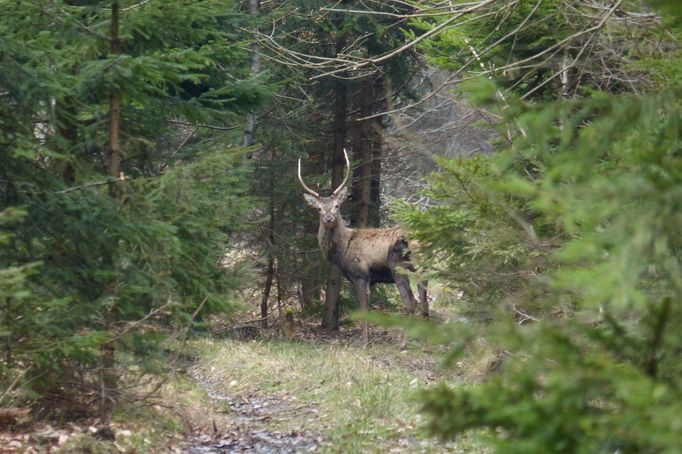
[(356, 399), (303, 386)]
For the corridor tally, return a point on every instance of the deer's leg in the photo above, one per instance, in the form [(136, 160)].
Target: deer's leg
[(423, 298), (403, 284), (362, 286)]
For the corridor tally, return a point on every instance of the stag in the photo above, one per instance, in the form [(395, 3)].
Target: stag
[(365, 256)]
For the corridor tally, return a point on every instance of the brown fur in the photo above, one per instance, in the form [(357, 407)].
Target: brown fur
[(366, 256)]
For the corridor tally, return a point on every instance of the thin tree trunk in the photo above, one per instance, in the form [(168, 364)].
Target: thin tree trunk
[(309, 277), (65, 113), (565, 74), (9, 336), (310, 290), (330, 320), (108, 379), (251, 118), (114, 101), (248, 140), (269, 275), (280, 290), (377, 134), (363, 183)]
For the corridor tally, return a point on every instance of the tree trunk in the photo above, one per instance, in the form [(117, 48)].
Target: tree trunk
[(108, 380), (269, 275), (310, 290), (251, 119), (9, 363), (114, 102), (280, 289), (377, 134), (363, 182), (65, 112), (310, 285), (565, 74), (330, 320)]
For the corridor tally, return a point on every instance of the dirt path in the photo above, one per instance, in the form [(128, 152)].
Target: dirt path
[(248, 429)]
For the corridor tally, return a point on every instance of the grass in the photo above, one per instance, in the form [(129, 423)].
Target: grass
[(348, 398), (358, 400)]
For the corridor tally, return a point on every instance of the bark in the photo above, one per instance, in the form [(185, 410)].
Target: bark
[(270, 272), (248, 140), (114, 133), (251, 118), (269, 275), (114, 102), (363, 182), (9, 363), (310, 285), (377, 134), (310, 290), (280, 289), (68, 134), (565, 76), (108, 379), (330, 320)]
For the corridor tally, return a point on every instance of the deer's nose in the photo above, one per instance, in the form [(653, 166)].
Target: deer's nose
[(328, 219)]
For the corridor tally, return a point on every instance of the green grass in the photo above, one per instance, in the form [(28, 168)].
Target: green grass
[(355, 400), (358, 400)]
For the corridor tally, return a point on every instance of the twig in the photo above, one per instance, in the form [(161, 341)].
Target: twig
[(13, 384), (143, 319), (137, 5), (525, 316), (411, 44), (121, 177), (201, 125)]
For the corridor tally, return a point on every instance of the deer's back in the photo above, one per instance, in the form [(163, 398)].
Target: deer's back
[(375, 249)]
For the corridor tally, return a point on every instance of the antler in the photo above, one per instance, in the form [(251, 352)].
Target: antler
[(310, 191), (345, 179), (337, 190)]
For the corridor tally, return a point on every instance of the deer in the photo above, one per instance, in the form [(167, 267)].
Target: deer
[(366, 256)]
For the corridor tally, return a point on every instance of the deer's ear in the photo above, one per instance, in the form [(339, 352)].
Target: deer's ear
[(310, 200), (342, 195)]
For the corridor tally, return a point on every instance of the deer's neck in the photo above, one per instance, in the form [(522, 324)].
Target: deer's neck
[(334, 241)]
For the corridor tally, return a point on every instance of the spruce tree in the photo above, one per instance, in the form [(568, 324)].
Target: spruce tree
[(123, 200), (566, 243)]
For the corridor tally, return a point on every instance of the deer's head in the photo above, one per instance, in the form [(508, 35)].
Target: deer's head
[(329, 208)]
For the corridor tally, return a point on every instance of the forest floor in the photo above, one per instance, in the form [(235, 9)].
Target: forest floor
[(279, 391), (318, 394)]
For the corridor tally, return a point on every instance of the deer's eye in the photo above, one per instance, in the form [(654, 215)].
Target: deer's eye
[(336, 206)]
